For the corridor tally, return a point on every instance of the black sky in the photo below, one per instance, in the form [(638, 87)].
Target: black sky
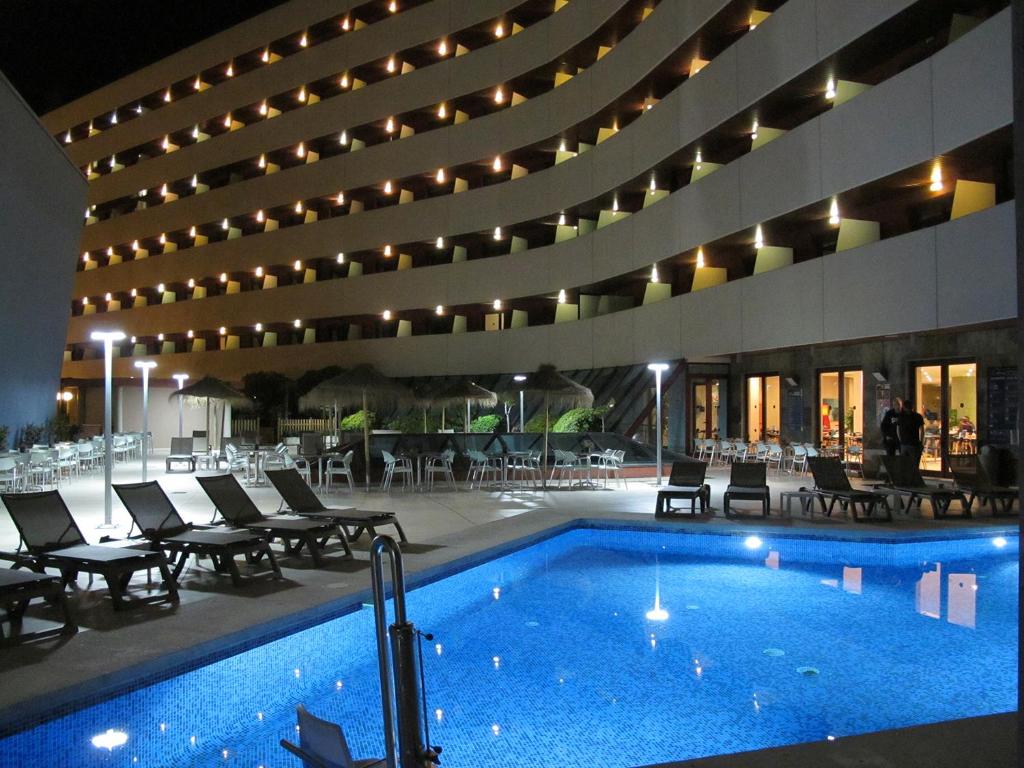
[(54, 51)]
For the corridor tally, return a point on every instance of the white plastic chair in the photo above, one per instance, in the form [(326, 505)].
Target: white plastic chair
[(340, 466), (440, 465), (396, 466)]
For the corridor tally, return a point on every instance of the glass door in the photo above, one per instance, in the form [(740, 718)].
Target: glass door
[(946, 396), (841, 412), (705, 407), (763, 415)]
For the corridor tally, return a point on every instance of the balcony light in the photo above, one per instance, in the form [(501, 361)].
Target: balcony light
[(833, 212), (259, 271), (389, 126), (265, 57), (758, 237), (225, 225), (497, 305), (497, 233), (561, 296), (298, 207), (230, 71), (392, 65), (191, 334), (561, 219), (499, 30), (439, 243), (297, 323), (386, 314), (259, 327), (499, 95), (223, 277), (341, 258), (936, 177), (393, 6), (263, 108), (302, 94), (259, 216), (346, 25), (297, 266), (300, 150), (387, 251), (442, 48), (698, 162), (191, 282), (195, 180), (222, 331), (700, 257), (340, 199), (304, 40), (343, 82), (192, 231), (440, 176), (654, 274), (167, 96), (497, 164), (830, 89), (439, 310), (753, 130), (262, 162), (442, 111), (161, 288), (388, 187)]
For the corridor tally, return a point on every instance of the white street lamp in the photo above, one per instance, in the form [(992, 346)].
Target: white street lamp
[(522, 424), (108, 338), (181, 378), (658, 369), (145, 366)]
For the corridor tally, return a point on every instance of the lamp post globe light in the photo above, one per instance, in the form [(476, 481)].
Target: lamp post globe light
[(658, 368), (108, 338), (181, 378), (145, 366), (520, 378)]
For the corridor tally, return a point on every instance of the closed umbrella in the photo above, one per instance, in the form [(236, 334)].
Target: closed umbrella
[(558, 389), (360, 386), (210, 388)]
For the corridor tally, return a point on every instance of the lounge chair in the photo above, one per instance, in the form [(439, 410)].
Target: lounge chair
[(301, 500), (978, 485), (181, 453), (322, 744), (52, 539), (831, 483), (161, 524), (17, 589), (685, 482), (748, 481), (905, 479), (238, 509)]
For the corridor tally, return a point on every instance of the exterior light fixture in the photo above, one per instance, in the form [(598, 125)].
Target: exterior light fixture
[(167, 96), (936, 185), (262, 162), (298, 207), (389, 126), (499, 95), (195, 132), (700, 257), (659, 369), (108, 338), (393, 6), (195, 180), (67, 137), (391, 66), (497, 233), (442, 48), (85, 257), (134, 292), (164, 190), (110, 251), (227, 120), (561, 296), (297, 323), (442, 111), (259, 216), (192, 231), (343, 82), (698, 162), (615, 204), (343, 138), (263, 107), (654, 274), (223, 277), (499, 30), (497, 305), (265, 57), (440, 176), (302, 94), (259, 327), (107, 296), (439, 243), (519, 379), (191, 282), (340, 258), (222, 331), (230, 71), (753, 130), (163, 238), (833, 212), (386, 314), (561, 219), (388, 187), (439, 310), (653, 185), (758, 237), (191, 334), (161, 288), (85, 301), (300, 150), (304, 40), (830, 89), (340, 199), (225, 225), (562, 146), (134, 339), (497, 163), (346, 24), (297, 266), (387, 250), (259, 271)]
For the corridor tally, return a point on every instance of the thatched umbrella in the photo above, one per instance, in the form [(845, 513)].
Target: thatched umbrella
[(468, 392), (210, 388), (558, 389), (359, 386)]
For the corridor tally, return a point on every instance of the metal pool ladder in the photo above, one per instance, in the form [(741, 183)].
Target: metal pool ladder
[(400, 675)]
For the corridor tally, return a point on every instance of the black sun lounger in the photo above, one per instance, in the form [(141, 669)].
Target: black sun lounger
[(831, 482), (53, 540), (17, 588), (161, 524), (748, 481), (685, 482), (301, 500), (322, 744), (181, 453), (976, 482), (238, 509), (905, 478)]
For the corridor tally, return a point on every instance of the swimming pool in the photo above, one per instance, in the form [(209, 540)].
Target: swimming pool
[(614, 647)]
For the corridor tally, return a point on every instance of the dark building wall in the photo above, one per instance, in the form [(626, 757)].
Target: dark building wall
[(42, 198), (893, 357)]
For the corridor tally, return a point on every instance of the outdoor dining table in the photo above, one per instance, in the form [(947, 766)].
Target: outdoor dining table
[(419, 461)]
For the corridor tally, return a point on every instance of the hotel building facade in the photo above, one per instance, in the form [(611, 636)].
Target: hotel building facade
[(805, 205)]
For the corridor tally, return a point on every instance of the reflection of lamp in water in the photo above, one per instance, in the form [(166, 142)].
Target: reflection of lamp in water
[(657, 613)]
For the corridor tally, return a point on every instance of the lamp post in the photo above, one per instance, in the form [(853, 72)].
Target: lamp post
[(145, 366), (108, 338), (522, 423), (181, 378), (658, 369)]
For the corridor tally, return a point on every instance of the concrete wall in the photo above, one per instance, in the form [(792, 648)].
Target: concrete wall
[(42, 197)]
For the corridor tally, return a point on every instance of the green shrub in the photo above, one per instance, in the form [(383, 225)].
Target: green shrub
[(59, 429), (485, 424), (32, 434), (580, 420), (354, 422), (536, 424), (412, 423)]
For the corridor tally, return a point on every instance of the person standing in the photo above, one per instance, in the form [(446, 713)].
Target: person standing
[(890, 422), (910, 429)]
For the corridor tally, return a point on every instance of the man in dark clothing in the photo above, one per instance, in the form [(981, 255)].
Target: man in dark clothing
[(910, 429), (890, 435)]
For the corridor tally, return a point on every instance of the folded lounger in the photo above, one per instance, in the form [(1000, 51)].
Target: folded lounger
[(301, 500), (905, 478), (161, 524), (17, 588), (238, 509), (831, 482), (685, 482), (52, 539), (748, 481)]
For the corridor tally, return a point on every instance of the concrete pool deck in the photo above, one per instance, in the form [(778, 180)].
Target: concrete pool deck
[(445, 527)]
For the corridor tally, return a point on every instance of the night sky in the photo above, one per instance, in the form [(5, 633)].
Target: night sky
[(54, 51)]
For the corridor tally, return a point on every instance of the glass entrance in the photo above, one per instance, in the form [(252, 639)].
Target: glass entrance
[(841, 412), (946, 395), (705, 405), (763, 416)]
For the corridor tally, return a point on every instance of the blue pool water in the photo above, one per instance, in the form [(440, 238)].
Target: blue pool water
[(614, 648)]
